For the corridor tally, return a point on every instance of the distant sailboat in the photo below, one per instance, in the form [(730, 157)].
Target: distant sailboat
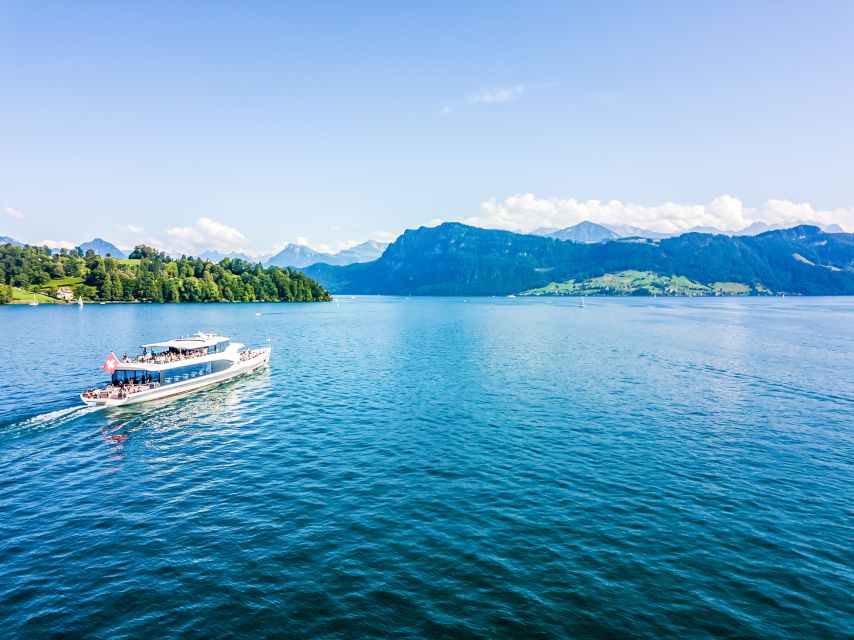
[(35, 302), (80, 302), (582, 302)]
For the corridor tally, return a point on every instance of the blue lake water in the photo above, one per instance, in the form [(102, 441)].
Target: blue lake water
[(438, 467)]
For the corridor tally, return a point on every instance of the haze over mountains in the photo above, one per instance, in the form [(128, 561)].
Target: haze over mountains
[(302, 255), (295, 256), (299, 256)]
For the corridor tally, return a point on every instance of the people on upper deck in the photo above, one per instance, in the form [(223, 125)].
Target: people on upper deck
[(166, 356)]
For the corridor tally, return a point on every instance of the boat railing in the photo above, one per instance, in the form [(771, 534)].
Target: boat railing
[(164, 358), (113, 392)]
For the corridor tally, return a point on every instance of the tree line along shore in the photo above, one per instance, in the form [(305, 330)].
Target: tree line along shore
[(148, 275)]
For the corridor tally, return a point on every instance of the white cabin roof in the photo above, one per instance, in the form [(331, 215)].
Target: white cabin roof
[(198, 341)]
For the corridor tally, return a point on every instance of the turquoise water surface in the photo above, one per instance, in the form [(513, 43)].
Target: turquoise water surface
[(438, 468)]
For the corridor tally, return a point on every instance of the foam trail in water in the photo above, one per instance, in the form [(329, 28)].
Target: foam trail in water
[(46, 420)]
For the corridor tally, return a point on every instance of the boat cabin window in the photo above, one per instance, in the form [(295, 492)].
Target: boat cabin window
[(134, 377), (181, 374), (219, 347)]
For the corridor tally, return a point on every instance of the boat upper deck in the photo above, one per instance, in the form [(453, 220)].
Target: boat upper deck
[(179, 351), (198, 341)]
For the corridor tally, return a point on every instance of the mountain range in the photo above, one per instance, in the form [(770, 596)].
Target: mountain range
[(456, 259), (292, 255), (12, 241), (299, 256), (584, 231), (587, 231), (98, 245)]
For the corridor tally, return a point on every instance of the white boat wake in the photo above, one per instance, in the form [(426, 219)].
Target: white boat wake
[(47, 420)]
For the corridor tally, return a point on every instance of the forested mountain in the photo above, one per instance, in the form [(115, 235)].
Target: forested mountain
[(455, 259), (150, 276), (761, 227)]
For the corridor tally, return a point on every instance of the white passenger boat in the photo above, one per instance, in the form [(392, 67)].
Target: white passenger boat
[(173, 368)]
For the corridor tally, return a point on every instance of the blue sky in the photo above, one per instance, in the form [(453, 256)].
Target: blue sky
[(336, 122)]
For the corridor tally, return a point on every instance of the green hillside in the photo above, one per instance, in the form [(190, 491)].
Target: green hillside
[(21, 296), (642, 283)]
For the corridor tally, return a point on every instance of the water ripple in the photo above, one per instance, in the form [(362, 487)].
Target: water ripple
[(424, 468)]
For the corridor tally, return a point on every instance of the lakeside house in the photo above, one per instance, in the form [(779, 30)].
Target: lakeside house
[(65, 293)]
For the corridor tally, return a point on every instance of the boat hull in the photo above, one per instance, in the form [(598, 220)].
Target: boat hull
[(240, 368)]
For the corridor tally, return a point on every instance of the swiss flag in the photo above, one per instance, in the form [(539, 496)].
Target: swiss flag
[(111, 363)]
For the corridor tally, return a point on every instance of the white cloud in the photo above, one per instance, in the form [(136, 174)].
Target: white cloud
[(349, 244), (445, 110), (497, 94), (57, 244), (206, 235), (12, 212), (301, 241), (335, 227), (385, 236), (129, 228), (526, 212)]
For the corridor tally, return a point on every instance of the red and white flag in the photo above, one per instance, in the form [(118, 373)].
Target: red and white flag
[(111, 363)]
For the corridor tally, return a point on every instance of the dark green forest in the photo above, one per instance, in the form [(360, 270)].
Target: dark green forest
[(148, 275)]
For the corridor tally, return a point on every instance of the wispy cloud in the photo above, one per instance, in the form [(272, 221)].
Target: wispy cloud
[(385, 236), (12, 212), (489, 95), (129, 228), (445, 110), (57, 244)]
